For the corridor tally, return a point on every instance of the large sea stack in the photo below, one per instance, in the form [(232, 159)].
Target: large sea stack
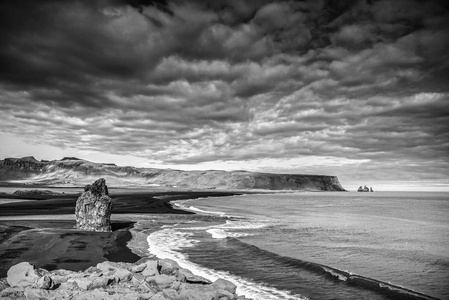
[(93, 208)]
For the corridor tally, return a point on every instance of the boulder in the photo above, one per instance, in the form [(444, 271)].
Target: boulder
[(200, 292), (162, 281), (150, 269), (167, 266), (224, 284), (82, 283), (185, 275), (93, 208), (121, 275), (139, 268), (22, 274), (68, 285), (58, 279), (206, 291), (107, 266), (119, 271), (89, 283), (44, 283)]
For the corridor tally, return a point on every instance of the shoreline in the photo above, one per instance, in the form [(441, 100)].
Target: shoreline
[(51, 244), (131, 233), (24, 233), (124, 202)]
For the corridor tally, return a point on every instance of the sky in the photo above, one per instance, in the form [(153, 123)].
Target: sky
[(355, 89)]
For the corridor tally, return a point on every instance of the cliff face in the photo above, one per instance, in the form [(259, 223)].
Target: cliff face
[(17, 168), (73, 171)]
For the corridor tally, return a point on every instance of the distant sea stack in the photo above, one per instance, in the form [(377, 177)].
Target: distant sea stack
[(93, 208), (365, 189), (74, 172)]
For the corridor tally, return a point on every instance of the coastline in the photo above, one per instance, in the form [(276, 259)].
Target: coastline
[(50, 241), (348, 282), (169, 235), (125, 201)]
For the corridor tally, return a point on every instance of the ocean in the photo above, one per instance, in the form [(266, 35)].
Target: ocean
[(316, 245)]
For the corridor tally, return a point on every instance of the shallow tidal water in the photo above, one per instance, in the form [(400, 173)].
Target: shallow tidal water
[(309, 245)]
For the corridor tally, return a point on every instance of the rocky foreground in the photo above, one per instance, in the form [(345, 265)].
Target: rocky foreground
[(146, 279)]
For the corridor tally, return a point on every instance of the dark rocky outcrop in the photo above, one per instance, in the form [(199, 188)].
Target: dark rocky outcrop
[(365, 189), (93, 208), (74, 171)]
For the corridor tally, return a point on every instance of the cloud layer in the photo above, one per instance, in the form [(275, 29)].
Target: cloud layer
[(353, 88)]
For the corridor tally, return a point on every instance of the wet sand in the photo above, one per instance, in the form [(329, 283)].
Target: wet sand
[(53, 244), (43, 232)]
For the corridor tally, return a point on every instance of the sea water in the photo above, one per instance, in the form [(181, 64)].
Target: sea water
[(317, 245)]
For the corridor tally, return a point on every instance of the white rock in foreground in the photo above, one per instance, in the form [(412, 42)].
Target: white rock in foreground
[(22, 274)]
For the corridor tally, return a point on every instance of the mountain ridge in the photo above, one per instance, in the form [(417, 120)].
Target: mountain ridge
[(75, 171)]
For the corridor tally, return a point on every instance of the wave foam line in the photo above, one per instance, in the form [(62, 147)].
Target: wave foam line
[(389, 289), (217, 233), (182, 206), (225, 230), (165, 242)]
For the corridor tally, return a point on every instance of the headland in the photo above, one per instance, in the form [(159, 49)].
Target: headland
[(71, 171)]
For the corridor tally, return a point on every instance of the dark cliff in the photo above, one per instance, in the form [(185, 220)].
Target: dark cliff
[(74, 171), (17, 168)]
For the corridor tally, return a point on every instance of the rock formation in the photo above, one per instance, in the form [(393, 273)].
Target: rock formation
[(365, 189), (93, 208), (22, 274), (147, 279)]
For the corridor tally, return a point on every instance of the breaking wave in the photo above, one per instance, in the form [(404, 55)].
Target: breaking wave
[(167, 242)]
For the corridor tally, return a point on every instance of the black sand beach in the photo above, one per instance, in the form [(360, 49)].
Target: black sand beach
[(53, 244), (43, 233), (124, 201)]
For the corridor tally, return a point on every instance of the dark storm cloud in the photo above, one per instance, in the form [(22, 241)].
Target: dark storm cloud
[(196, 81)]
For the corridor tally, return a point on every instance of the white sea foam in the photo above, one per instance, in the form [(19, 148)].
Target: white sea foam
[(183, 205), (222, 234), (239, 224), (232, 228), (166, 226), (195, 209), (217, 233), (165, 243), (336, 274), (243, 224)]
